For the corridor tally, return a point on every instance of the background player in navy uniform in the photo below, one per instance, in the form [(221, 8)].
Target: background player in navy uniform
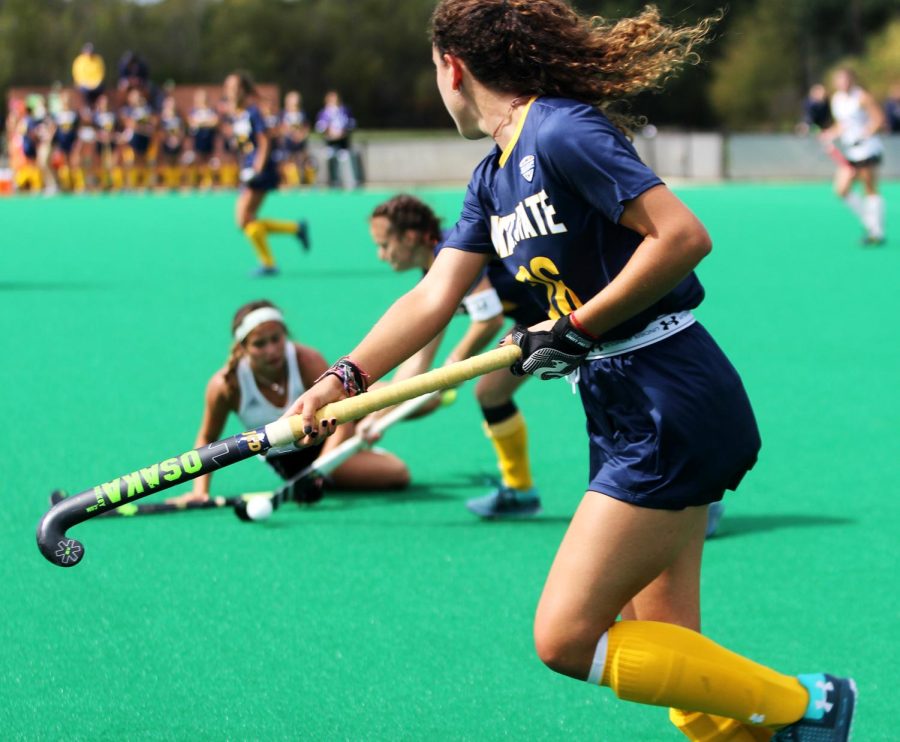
[(66, 144), (295, 131), (140, 123), (264, 371), (203, 123), (409, 236), (172, 134), (566, 203), (107, 171), (28, 130), (259, 173)]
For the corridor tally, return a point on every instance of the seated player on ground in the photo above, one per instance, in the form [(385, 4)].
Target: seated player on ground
[(264, 373)]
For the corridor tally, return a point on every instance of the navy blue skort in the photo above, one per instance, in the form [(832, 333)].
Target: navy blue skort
[(670, 425), (267, 180)]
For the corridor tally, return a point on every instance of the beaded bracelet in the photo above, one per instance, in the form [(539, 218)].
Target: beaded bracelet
[(352, 377)]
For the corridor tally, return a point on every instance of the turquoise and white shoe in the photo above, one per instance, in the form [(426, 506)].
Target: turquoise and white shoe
[(830, 712), (506, 502), (263, 271), (714, 514)]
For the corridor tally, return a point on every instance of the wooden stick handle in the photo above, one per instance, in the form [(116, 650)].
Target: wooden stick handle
[(444, 377)]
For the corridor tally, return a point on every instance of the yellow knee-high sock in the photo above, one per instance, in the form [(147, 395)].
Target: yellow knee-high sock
[(700, 727), (228, 175), (278, 227), (118, 178), (64, 175), (256, 233), (510, 440), (205, 177), (667, 665), (78, 181), (172, 177), (291, 174)]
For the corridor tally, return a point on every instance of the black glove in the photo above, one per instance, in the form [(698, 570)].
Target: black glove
[(551, 354)]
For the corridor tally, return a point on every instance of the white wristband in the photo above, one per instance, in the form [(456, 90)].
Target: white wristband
[(483, 305)]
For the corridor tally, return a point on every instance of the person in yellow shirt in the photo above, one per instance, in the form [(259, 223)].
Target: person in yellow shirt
[(88, 72)]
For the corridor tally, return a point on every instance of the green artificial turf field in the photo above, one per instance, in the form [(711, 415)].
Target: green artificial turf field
[(387, 617)]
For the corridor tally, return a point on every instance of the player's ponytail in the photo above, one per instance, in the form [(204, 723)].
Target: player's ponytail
[(528, 47)]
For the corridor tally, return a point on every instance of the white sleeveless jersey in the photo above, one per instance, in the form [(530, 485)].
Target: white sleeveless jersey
[(848, 110), (255, 410)]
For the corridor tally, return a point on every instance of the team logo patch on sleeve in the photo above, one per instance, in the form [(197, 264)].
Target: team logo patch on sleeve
[(526, 167)]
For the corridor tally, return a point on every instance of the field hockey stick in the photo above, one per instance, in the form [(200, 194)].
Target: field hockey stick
[(130, 509), (328, 462), (834, 152), (63, 551), (323, 466)]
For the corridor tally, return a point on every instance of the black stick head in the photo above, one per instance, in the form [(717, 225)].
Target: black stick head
[(54, 544)]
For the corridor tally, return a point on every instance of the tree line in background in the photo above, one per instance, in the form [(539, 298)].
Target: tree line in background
[(754, 74)]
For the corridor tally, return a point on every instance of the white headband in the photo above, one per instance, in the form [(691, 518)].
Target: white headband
[(254, 319)]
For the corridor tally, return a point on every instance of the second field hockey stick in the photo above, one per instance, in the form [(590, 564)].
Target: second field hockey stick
[(130, 509), (834, 152), (327, 463), (63, 551)]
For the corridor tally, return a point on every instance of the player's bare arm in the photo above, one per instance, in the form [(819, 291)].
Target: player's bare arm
[(395, 338), (674, 243)]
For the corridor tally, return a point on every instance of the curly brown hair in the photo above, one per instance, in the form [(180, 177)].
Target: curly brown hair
[(545, 47), (237, 349), (405, 212)]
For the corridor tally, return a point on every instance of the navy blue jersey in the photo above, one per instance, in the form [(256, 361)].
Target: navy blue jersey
[(246, 127), (203, 124), (295, 128), (549, 207), (518, 302), (66, 130), (28, 129)]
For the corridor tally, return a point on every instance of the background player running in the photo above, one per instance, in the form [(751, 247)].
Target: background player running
[(857, 120), (258, 174), (567, 204)]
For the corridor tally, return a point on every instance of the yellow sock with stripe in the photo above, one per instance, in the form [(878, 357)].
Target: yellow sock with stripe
[(510, 439), (700, 727), (276, 226), (667, 665), (256, 233)]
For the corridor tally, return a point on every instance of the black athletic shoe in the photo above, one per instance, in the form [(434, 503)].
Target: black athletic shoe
[(303, 234)]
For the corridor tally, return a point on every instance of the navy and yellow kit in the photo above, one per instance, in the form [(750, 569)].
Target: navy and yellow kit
[(246, 126), (669, 422)]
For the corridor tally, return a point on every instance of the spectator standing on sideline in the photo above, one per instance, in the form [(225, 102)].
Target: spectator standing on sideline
[(816, 110), (335, 123), (133, 73), (88, 73), (892, 109)]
